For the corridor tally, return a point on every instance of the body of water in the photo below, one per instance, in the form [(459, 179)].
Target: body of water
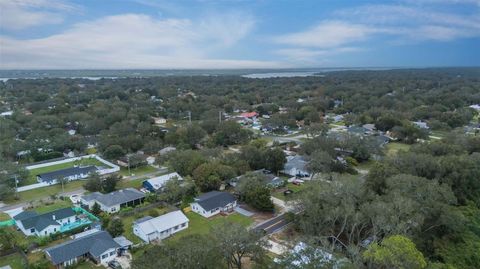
[(280, 75)]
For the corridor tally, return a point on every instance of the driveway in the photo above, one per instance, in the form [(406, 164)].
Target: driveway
[(273, 225), (124, 260)]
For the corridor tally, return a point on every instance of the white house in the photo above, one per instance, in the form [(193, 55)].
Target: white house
[(114, 201), (156, 183), (213, 203), (32, 223), (99, 246), (72, 173), (476, 107), (151, 229)]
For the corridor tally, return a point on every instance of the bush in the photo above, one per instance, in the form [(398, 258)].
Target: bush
[(153, 213)]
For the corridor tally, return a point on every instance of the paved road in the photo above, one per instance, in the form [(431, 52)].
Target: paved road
[(273, 225)]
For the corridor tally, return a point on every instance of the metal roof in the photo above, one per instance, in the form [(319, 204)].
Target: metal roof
[(158, 182)]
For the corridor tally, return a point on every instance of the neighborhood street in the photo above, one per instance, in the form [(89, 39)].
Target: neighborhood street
[(273, 225)]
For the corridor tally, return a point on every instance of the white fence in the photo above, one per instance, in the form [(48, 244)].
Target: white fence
[(113, 168)]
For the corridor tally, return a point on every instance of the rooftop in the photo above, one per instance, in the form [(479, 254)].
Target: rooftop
[(116, 197), (94, 244), (161, 223), (214, 199), (55, 175)]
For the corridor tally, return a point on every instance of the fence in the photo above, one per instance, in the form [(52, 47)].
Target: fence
[(114, 168)]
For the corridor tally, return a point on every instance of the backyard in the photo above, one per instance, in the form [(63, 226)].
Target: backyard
[(394, 147), (278, 193), (201, 225), (44, 192), (141, 170), (15, 261)]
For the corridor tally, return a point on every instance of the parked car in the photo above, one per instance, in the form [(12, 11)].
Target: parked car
[(287, 192), (114, 264)]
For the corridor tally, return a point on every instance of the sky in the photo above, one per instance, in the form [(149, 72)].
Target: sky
[(208, 34)]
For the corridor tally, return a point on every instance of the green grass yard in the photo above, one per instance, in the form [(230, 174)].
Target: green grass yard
[(201, 225), (57, 204), (138, 170), (36, 194), (15, 261), (394, 147), (136, 183)]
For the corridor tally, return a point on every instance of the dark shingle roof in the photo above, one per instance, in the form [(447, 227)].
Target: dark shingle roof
[(116, 197), (25, 215), (214, 199), (40, 222), (94, 244), (55, 175)]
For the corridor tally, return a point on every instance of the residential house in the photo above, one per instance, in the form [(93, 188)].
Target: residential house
[(166, 150), (152, 229), (421, 124), (159, 120), (213, 203), (32, 223), (6, 113), (249, 115), (270, 179), (72, 173), (358, 130), (157, 183), (99, 247), (370, 127), (114, 201), (476, 107), (296, 166)]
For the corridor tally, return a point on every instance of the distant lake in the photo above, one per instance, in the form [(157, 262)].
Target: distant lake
[(89, 78), (280, 75)]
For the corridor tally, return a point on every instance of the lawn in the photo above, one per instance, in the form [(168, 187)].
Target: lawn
[(4, 216), (136, 183), (394, 147), (138, 170), (366, 165), (32, 177), (201, 225), (57, 204), (43, 192), (15, 261), (295, 188), (128, 223)]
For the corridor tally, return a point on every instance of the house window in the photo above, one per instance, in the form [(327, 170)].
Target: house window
[(54, 229), (45, 232), (32, 230), (176, 227), (184, 224), (104, 256), (112, 253)]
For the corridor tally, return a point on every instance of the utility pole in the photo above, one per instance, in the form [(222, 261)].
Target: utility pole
[(128, 160), (16, 185), (220, 116), (189, 117)]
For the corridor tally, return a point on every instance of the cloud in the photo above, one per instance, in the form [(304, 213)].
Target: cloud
[(305, 55), (327, 34), (21, 14), (134, 41)]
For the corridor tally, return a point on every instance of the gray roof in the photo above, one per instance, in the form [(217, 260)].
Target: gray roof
[(140, 220), (42, 221), (94, 244), (297, 162), (122, 241), (116, 197), (214, 199), (55, 175), (25, 215)]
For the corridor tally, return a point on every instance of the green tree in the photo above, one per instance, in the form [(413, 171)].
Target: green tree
[(234, 243), (94, 183), (96, 210), (114, 152), (253, 190), (115, 227), (274, 159), (396, 252), (110, 183)]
